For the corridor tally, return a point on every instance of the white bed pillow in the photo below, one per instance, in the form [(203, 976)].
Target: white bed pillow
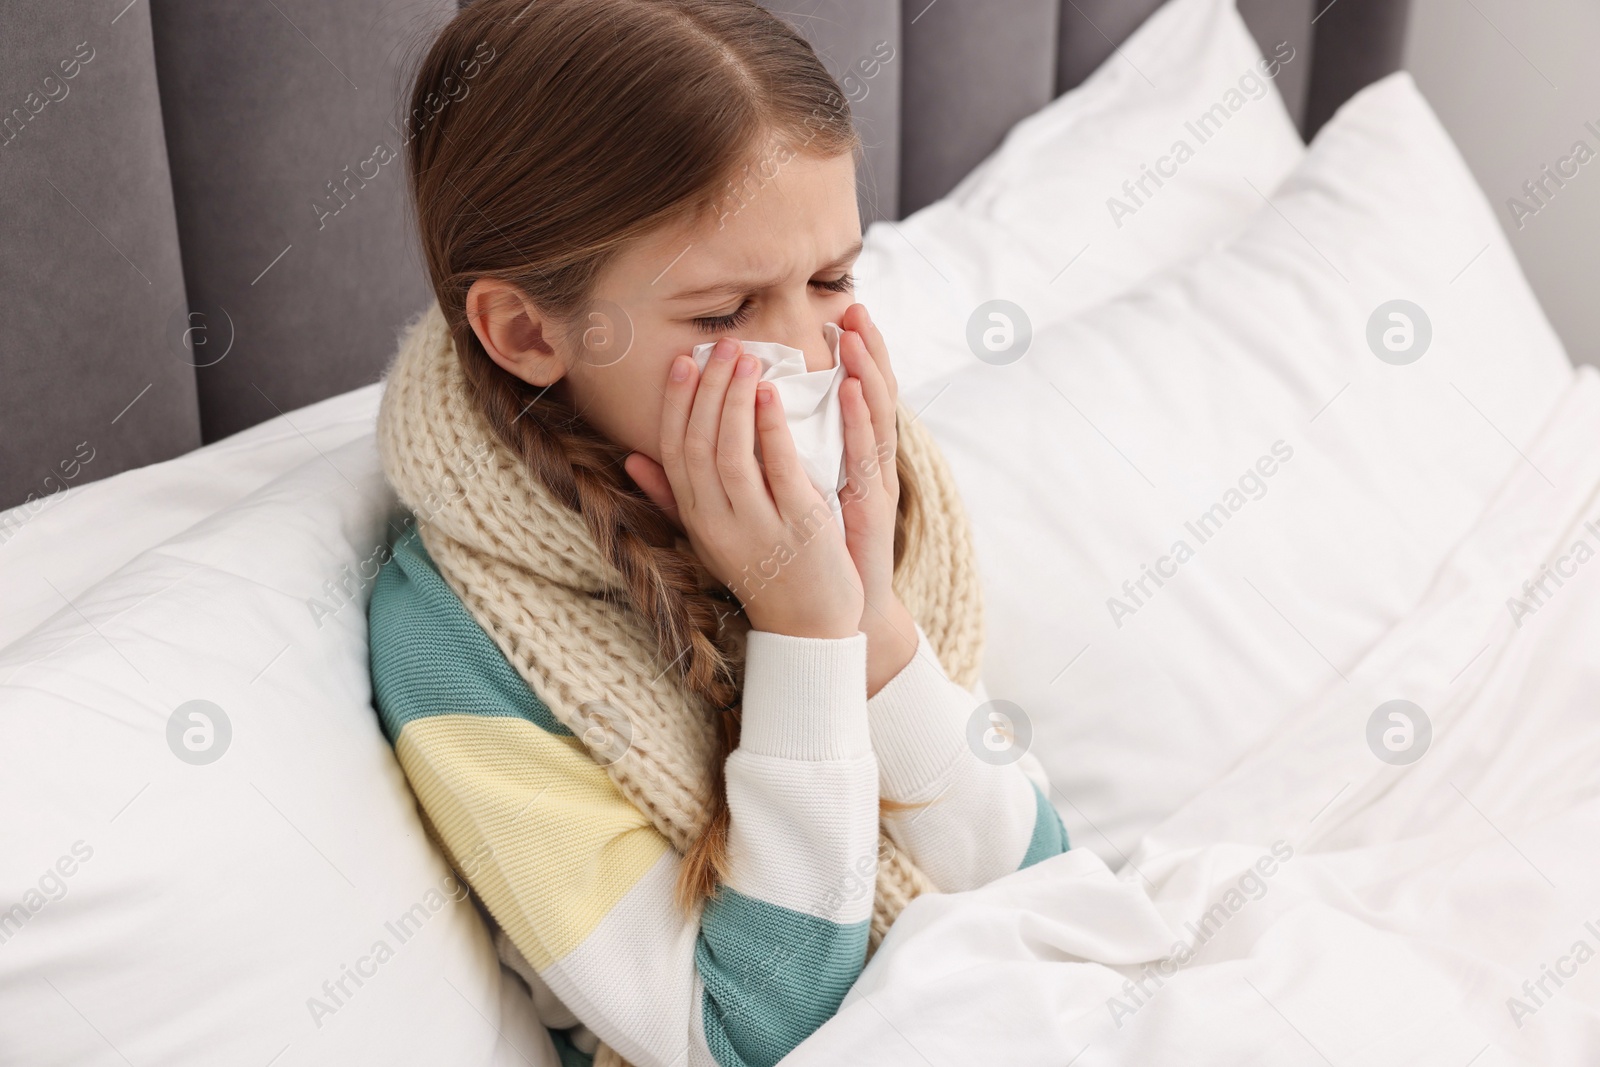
[(175, 912), (1042, 200), (64, 545), (1244, 379)]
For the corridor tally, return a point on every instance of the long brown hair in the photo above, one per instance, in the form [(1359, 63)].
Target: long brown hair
[(545, 136)]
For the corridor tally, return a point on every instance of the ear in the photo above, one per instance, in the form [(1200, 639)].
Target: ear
[(513, 332)]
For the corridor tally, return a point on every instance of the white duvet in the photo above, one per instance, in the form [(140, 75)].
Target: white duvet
[(1319, 905)]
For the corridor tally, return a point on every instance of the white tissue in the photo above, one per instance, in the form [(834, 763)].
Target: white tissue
[(811, 406)]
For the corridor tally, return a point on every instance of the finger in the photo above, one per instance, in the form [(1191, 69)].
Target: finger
[(652, 479), (860, 321), (880, 405), (858, 362), (736, 442), (705, 417), (785, 476), (676, 399), (860, 451)]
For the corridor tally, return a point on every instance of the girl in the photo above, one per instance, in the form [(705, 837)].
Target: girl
[(692, 747)]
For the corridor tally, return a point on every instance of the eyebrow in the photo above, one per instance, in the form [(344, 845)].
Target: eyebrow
[(741, 285)]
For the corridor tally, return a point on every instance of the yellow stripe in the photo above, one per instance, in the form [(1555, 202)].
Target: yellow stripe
[(563, 844)]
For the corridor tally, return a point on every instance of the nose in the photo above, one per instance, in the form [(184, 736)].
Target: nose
[(812, 339), (819, 355)]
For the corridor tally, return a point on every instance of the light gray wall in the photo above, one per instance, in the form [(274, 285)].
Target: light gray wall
[(1514, 83)]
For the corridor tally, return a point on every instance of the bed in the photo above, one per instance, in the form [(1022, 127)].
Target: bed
[(1283, 491)]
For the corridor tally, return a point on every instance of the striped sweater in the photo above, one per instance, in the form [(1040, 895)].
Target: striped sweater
[(769, 958)]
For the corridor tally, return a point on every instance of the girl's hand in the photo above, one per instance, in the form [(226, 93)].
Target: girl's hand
[(772, 539), (871, 496)]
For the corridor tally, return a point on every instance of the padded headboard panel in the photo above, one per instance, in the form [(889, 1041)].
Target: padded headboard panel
[(183, 185)]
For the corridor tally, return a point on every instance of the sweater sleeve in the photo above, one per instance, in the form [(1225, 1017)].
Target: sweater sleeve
[(983, 816), (582, 883)]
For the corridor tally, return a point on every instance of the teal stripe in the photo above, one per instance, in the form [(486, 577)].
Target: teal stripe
[(429, 655), (1049, 835), (570, 1054), (772, 976)]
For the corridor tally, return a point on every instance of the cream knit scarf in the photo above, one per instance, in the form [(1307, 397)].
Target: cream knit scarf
[(526, 568)]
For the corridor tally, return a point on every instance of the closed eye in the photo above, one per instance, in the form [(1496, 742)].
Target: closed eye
[(721, 323), (735, 318)]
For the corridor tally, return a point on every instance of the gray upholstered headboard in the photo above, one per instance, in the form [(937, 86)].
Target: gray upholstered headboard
[(173, 164)]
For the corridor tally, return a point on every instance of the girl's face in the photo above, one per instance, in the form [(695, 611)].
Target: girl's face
[(771, 263)]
